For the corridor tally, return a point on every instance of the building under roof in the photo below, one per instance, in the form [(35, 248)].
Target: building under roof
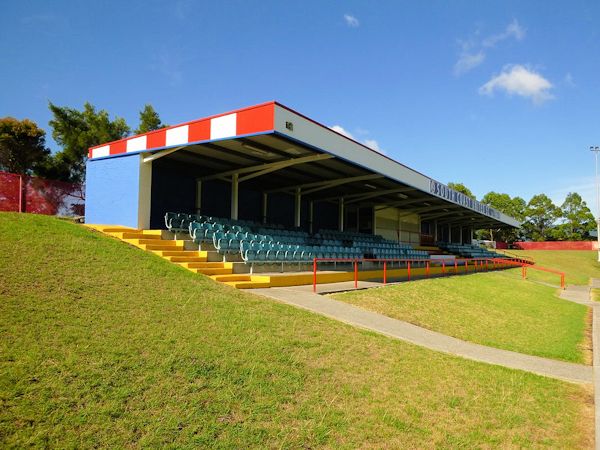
[(271, 164)]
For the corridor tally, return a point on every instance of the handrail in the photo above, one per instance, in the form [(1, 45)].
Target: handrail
[(477, 263), (523, 257), (542, 269)]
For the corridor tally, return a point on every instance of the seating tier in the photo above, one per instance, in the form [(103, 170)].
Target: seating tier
[(260, 243)]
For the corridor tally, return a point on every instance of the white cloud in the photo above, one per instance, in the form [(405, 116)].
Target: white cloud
[(342, 130), (513, 30), (519, 80), (351, 21), (374, 145), (569, 81), (371, 143), (468, 61), (473, 51)]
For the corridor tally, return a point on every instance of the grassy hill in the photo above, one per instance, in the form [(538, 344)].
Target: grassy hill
[(578, 265), (497, 309), (103, 345)]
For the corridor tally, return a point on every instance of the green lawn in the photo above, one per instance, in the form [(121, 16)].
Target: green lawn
[(103, 345), (578, 265), (495, 308)]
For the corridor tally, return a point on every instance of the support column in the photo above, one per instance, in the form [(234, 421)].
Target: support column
[(234, 195), (144, 194), (471, 233), (297, 207), (450, 233), (198, 196), (435, 231), (461, 235), (341, 214), (265, 202), (310, 216)]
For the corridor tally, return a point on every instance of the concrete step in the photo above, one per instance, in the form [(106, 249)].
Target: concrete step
[(232, 278), (212, 271), (206, 265), (158, 233), (180, 259), (242, 277), (165, 253), (160, 246), (135, 235), (154, 242), (247, 284)]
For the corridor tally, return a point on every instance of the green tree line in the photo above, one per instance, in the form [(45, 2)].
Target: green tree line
[(540, 218), (23, 144)]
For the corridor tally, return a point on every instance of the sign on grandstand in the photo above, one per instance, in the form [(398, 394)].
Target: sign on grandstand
[(443, 191)]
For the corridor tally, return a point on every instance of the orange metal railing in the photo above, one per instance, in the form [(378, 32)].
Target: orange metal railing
[(477, 265)]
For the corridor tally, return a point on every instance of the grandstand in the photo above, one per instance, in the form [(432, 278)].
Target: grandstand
[(267, 190)]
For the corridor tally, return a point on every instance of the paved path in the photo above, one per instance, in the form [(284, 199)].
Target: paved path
[(300, 297), (578, 294)]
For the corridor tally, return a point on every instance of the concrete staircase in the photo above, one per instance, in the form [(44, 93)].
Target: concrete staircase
[(184, 253)]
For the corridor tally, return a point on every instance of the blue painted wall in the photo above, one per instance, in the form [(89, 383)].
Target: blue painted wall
[(112, 191)]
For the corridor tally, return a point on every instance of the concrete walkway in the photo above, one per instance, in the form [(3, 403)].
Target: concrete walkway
[(303, 298), (578, 294)]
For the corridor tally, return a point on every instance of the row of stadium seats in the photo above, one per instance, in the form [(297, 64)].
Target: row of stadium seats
[(468, 250), (400, 254), (259, 243), (269, 252)]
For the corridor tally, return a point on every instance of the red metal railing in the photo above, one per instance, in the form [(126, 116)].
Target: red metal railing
[(477, 264), (525, 266)]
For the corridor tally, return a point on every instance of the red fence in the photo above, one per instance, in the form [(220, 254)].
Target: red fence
[(557, 245), (444, 268), (23, 193)]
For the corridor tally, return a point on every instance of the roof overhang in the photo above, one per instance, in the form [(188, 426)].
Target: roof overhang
[(300, 155)]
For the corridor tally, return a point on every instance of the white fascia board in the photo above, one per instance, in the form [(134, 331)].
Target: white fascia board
[(300, 128)]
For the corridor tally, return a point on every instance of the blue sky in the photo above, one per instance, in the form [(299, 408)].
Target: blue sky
[(501, 96)]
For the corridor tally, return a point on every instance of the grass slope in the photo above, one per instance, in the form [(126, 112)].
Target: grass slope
[(103, 345), (578, 265), (495, 308)]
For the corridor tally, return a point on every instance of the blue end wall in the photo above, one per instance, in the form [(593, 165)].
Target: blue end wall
[(112, 191)]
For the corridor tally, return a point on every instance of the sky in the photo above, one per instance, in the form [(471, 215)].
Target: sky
[(499, 95)]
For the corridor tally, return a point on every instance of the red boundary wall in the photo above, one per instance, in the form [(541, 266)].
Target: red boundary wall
[(40, 196), (557, 245)]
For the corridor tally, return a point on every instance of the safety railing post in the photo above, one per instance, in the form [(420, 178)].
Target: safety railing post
[(466, 266), (384, 272), (408, 270), (562, 280), (355, 273), (315, 275), (443, 266), (427, 269), (455, 266)]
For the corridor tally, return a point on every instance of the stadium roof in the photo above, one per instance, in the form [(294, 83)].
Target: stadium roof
[(301, 155)]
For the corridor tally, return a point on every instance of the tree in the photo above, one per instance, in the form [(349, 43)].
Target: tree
[(22, 145), (462, 188), (541, 215), (577, 219), (77, 131), (511, 206), (149, 120)]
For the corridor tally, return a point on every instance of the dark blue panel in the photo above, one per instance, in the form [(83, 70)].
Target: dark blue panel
[(173, 189)]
